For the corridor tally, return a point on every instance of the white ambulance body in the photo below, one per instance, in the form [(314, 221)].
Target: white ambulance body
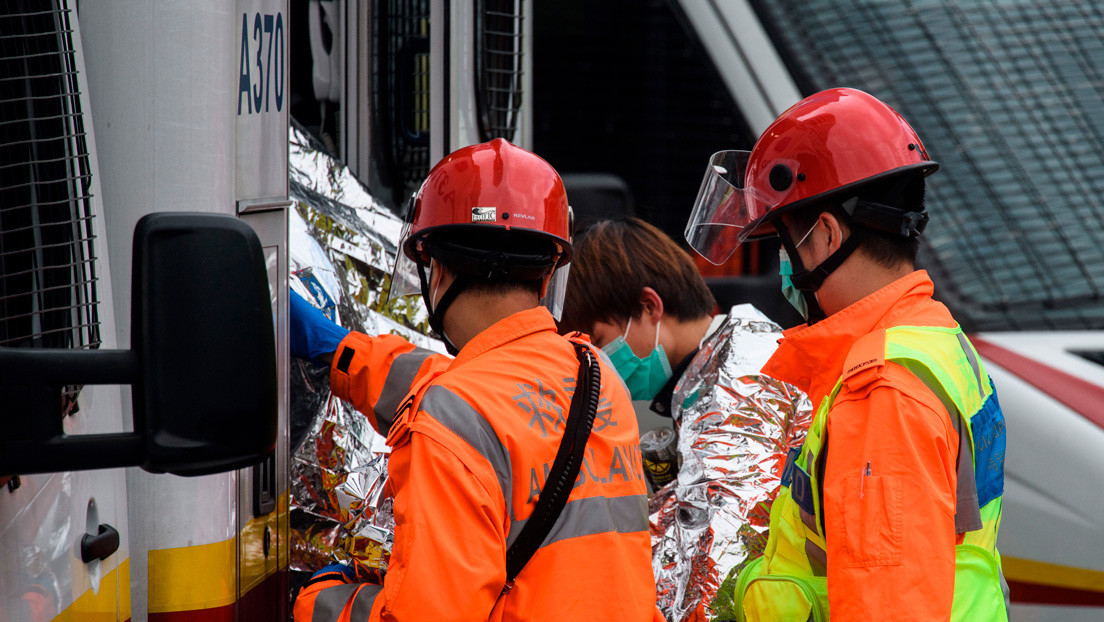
[(167, 107), (171, 107)]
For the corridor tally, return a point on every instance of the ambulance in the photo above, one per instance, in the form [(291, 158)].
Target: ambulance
[(144, 269)]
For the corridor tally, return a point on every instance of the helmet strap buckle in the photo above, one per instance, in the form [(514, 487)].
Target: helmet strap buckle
[(881, 217)]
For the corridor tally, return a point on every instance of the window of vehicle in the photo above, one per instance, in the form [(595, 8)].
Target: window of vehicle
[(498, 71), (1008, 98)]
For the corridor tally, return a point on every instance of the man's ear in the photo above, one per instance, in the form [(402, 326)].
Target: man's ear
[(439, 277), (836, 230), (652, 303)]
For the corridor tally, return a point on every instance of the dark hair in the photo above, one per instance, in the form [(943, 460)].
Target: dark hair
[(614, 260), (886, 249), (498, 245)]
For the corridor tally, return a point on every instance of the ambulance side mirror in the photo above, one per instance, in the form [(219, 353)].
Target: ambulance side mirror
[(202, 365)]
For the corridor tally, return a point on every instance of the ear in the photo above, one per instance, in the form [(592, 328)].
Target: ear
[(434, 274), (439, 277), (652, 303), (835, 231)]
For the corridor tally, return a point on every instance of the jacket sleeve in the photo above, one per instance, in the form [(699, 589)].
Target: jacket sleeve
[(375, 374), (449, 557), (889, 490), (333, 595)]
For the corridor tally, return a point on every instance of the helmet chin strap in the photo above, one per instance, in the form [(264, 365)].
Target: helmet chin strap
[(809, 281), (437, 312)]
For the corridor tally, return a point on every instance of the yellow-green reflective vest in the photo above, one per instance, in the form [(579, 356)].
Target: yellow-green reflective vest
[(788, 583)]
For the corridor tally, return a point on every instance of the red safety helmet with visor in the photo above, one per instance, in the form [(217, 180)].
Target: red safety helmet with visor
[(473, 199), (828, 145)]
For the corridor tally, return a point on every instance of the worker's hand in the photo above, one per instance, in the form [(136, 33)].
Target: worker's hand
[(313, 336)]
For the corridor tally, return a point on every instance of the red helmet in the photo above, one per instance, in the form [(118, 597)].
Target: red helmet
[(493, 187), (492, 184), (826, 145)]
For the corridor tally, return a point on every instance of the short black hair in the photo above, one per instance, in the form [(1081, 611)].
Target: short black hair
[(905, 191), (493, 241)]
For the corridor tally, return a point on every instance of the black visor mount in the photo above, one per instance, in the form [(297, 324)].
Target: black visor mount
[(886, 218)]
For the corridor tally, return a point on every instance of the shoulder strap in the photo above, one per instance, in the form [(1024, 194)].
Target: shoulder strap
[(565, 468)]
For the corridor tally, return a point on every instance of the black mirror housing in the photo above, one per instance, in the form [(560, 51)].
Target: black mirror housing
[(202, 364), (202, 326)]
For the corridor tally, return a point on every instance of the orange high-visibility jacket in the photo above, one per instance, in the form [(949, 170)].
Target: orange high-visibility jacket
[(898, 563), (472, 442)]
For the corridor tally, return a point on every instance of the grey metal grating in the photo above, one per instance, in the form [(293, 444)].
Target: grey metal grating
[(498, 71), (1008, 98), (401, 89), (47, 271)]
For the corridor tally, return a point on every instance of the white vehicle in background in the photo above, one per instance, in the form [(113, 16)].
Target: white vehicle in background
[(976, 81), (115, 111)]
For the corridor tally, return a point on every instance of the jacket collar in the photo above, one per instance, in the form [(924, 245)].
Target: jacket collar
[(504, 331), (812, 357)]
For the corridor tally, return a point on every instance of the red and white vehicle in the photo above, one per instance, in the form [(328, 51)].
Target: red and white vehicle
[(992, 258)]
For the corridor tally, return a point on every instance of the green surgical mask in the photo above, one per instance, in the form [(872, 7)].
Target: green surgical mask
[(785, 270), (644, 377), (792, 294)]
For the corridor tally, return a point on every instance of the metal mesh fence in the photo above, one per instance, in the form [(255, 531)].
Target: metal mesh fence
[(1007, 96), (401, 90), (47, 271), (498, 33)]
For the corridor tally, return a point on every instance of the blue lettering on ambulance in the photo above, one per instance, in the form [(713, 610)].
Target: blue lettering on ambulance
[(261, 65)]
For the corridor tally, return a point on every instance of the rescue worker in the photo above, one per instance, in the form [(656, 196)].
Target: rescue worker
[(640, 298), (473, 437), (891, 507)]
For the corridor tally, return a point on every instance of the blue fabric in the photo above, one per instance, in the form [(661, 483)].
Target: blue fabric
[(987, 427), (347, 571), (312, 333)]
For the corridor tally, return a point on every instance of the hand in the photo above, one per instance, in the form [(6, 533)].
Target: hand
[(313, 336)]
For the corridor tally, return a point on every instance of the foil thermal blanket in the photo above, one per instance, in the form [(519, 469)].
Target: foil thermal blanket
[(735, 426), (342, 250)]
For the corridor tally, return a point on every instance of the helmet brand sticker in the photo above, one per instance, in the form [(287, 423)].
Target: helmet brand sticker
[(483, 214)]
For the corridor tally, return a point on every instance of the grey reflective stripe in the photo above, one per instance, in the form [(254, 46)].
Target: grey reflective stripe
[(331, 601), (362, 602), (399, 379), (463, 420), (1007, 595), (965, 343), (967, 511), (584, 517), (966, 517)]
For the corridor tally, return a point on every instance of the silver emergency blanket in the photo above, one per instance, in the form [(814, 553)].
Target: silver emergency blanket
[(342, 250), (735, 427)]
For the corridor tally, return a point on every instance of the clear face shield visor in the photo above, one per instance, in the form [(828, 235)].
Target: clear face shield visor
[(554, 294), (725, 212), (404, 277)]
